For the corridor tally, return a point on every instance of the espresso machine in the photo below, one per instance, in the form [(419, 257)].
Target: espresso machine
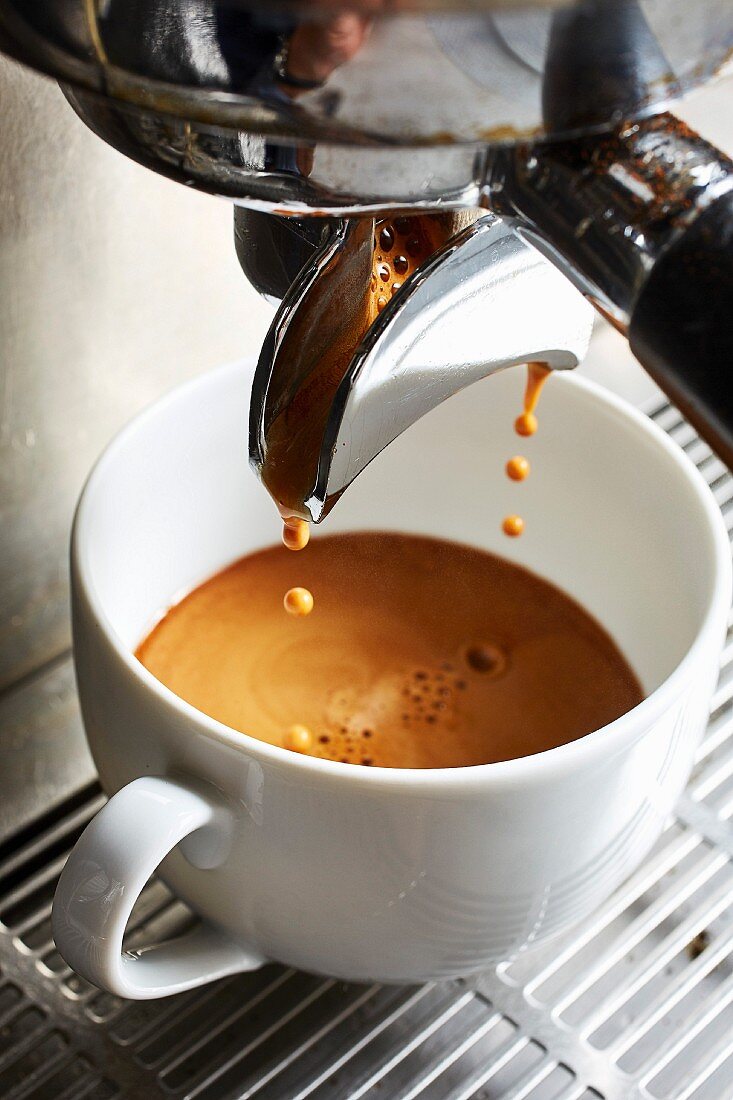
[(525, 148), (531, 146)]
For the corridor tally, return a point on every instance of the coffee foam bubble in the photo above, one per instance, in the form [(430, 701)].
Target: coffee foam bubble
[(362, 723)]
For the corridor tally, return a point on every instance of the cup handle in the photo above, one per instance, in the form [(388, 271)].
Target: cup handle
[(112, 861)]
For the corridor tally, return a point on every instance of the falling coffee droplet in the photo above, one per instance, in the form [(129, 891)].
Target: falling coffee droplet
[(381, 302), (402, 225), (513, 526), (526, 424), (299, 738), (386, 238), (298, 602), (396, 287), (384, 273), (400, 264), (412, 246), (517, 468)]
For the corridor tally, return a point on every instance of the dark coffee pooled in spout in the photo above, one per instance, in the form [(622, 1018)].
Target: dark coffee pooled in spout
[(370, 264)]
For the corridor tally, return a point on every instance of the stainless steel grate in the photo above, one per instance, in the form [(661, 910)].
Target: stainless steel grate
[(637, 1004)]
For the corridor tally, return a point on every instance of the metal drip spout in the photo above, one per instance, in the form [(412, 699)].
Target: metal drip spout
[(333, 387)]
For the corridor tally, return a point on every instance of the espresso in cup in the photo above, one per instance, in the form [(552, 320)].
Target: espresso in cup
[(398, 875), (421, 653)]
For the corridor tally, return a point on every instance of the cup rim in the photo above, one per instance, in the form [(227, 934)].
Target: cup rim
[(607, 740)]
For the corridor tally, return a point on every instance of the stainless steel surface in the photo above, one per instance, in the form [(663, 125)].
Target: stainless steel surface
[(215, 93), (430, 341), (44, 750), (636, 1004), (115, 285), (274, 173)]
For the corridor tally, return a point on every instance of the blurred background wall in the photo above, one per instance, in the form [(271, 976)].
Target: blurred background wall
[(114, 285)]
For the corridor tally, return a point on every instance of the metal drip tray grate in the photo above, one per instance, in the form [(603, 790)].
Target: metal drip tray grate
[(636, 1004)]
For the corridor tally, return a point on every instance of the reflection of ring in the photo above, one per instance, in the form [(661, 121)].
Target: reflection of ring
[(280, 68)]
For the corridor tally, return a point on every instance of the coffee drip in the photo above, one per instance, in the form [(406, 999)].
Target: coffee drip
[(537, 375), (517, 468)]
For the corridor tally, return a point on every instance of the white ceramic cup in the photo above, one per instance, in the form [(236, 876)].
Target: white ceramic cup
[(370, 873)]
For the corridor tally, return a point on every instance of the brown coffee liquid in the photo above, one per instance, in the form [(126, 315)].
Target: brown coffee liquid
[(422, 654)]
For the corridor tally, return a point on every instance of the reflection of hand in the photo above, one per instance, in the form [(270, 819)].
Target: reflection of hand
[(314, 50)]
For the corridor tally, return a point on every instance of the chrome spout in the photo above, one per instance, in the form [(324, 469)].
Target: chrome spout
[(484, 301)]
